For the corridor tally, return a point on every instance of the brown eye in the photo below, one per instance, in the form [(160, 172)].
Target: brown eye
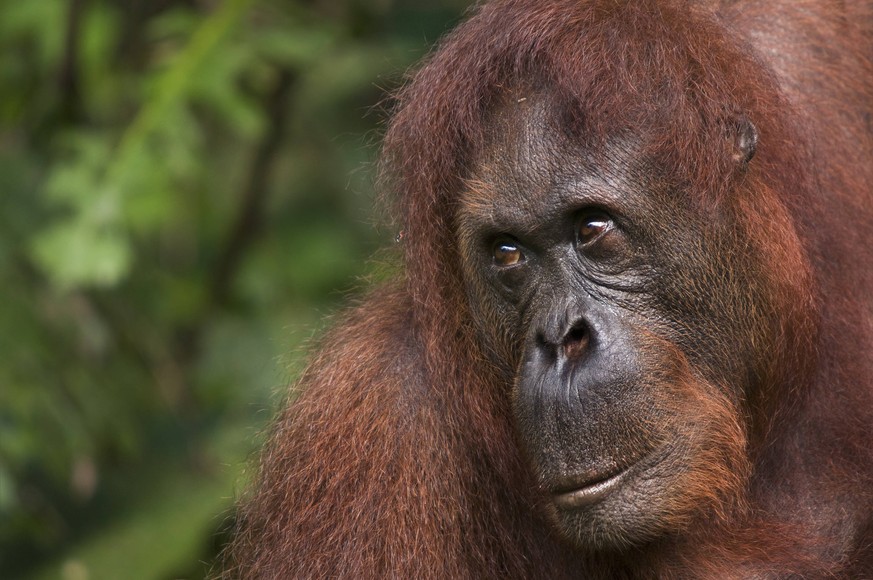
[(592, 226), (507, 254)]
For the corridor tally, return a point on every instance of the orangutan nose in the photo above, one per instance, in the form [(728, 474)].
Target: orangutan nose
[(568, 342)]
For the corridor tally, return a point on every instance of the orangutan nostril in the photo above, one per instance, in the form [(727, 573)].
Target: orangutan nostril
[(575, 343)]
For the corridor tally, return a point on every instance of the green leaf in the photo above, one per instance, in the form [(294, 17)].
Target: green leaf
[(76, 254)]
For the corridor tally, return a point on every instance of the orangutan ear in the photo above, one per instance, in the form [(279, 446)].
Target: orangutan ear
[(745, 140)]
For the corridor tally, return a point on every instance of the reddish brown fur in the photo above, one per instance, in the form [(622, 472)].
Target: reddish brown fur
[(398, 458)]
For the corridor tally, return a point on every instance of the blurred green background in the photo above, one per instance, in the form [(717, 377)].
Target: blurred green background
[(186, 191)]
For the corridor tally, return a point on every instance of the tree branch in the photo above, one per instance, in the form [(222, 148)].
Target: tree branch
[(250, 216)]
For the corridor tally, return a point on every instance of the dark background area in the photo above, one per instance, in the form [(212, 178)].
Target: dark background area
[(186, 193)]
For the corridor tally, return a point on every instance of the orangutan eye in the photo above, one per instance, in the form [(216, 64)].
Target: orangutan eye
[(592, 226), (506, 253)]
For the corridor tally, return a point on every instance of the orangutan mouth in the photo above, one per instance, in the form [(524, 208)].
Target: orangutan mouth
[(587, 492)]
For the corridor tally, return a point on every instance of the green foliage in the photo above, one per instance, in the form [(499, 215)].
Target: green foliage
[(186, 188), (117, 185)]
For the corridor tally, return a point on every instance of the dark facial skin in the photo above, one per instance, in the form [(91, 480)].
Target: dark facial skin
[(625, 317)]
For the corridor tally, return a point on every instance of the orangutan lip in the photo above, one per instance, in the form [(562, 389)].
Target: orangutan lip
[(588, 492)]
